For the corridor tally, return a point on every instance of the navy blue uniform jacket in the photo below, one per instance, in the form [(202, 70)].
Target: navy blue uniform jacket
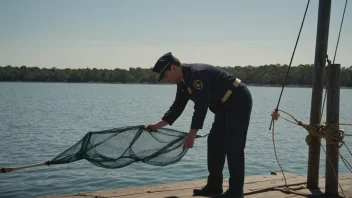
[(203, 84)]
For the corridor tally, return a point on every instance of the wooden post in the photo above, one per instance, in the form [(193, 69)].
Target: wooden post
[(317, 90), (332, 117)]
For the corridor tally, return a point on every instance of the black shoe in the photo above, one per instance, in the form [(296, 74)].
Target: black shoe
[(228, 194), (207, 191)]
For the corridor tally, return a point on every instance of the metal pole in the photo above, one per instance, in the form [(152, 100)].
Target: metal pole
[(317, 90), (332, 118)]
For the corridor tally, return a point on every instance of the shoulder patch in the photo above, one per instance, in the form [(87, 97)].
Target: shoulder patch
[(198, 84)]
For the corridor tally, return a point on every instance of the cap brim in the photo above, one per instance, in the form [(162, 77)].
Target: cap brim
[(161, 76), (167, 67)]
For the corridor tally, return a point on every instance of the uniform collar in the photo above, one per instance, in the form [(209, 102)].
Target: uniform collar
[(186, 70)]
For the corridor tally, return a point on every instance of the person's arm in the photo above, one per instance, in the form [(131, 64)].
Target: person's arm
[(201, 91), (178, 105), (189, 141), (174, 111)]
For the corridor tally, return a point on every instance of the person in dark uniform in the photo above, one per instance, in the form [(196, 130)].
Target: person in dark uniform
[(229, 99)]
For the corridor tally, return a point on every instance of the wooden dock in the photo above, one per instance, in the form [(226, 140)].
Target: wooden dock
[(266, 186)]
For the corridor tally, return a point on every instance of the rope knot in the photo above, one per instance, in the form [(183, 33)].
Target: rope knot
[(275, 115), (342, 138), (313, 130), (300, 123)]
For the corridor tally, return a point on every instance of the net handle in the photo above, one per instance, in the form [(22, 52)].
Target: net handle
[(10, 169)]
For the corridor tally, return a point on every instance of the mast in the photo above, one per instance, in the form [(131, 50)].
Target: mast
[(317, 90)]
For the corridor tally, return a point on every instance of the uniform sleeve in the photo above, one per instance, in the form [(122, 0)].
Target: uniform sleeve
[(177, 107), (201, 91)]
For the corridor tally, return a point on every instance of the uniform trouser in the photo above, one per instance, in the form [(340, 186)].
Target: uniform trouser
[(227, 138)]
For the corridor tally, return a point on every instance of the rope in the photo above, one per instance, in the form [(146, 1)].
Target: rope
[(347, 148), (346, 134), (338, 40), (348, 165), (293, 53), (277, 160), (330, 132), (293, 191)]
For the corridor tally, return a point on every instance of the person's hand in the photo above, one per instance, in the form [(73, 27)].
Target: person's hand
[(152, 127), (189, 141), (156, 126)]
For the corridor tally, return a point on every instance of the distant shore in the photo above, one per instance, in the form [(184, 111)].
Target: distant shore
[(250, 85), (271, 75)]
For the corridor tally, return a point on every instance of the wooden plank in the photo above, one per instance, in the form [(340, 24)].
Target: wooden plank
[(190, 185), (185, 186), (259, 178), (253, 185), (345, 176), (269, 184), (270, 194), (179, 186)]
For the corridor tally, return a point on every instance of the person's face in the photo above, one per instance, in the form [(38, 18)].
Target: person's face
[(171, 76)]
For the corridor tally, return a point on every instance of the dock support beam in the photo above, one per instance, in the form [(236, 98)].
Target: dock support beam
[(317, 90), (332, 119)]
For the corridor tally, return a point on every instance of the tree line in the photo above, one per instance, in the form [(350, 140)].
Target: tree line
[(274, 74)]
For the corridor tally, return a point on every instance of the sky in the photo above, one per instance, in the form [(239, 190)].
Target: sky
[(111, 34)]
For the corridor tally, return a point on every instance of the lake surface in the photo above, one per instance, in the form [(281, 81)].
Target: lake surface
[(40, 120)]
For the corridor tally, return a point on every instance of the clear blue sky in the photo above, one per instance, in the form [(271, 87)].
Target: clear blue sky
[(129, 33)]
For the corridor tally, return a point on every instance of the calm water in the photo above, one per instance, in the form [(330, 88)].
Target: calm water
[(40, 120)]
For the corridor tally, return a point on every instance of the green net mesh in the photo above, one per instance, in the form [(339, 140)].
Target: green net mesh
[(119, 147)]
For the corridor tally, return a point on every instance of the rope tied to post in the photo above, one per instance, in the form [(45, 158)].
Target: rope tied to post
[(331, 132)]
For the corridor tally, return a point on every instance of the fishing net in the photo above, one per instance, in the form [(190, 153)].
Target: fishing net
[(119, 147)]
